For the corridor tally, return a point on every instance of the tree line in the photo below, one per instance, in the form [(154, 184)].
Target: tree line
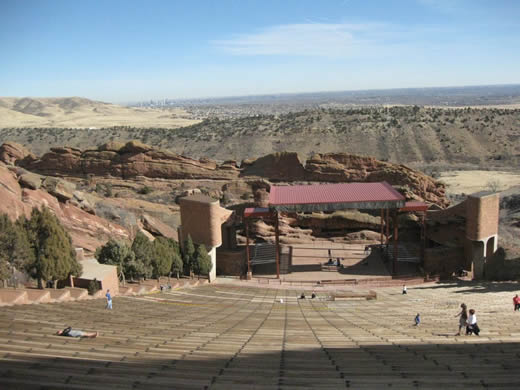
[(41, 247), (153, 259), (38, 245)]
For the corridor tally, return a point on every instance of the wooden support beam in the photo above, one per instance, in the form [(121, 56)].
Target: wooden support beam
[(423, 235), (382, 225), (248, 258), (277, 243), (387, 223), (396, 243)]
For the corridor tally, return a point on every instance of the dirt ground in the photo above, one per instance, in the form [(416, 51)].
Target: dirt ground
[(468, 182)]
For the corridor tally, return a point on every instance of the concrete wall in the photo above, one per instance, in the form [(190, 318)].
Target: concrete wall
[(443, 261), (482, 211), (202, 218), (476, 236), (111, 281)]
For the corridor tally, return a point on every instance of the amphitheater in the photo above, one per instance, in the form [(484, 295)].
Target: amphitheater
[(242, 335)]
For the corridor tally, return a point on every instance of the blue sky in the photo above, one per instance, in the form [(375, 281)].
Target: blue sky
[(122, 51)]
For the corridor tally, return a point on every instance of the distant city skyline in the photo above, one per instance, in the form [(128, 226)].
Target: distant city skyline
[(123, 51)]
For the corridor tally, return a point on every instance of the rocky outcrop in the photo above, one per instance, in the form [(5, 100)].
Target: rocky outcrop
[(11, 195), (342, 167), (158, 228), (284, 166), (30, 180), (347, 220), (132, 160), (86, 230), (10, 152), (135, 159)]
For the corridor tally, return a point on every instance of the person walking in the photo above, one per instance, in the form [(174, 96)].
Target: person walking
[(404, 289), (109, 300), (516, 303), (463, 314), (417, 319), (472, 326)]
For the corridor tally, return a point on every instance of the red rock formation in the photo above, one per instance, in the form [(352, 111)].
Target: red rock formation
[(11, 195), (136, 159), (10, 152), (339, 167), (159, 228), (284, 166), (87, 231), (130, 161)]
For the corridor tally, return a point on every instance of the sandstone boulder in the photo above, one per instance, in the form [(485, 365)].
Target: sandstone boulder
[(30, 180), (158, 228), (60, 188), (285, 166), (112, 146), (135, 146)]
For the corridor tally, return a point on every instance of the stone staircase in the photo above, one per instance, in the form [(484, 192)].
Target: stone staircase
[(10, 296)]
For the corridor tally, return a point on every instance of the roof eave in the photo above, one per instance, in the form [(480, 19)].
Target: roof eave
[(318, 207)]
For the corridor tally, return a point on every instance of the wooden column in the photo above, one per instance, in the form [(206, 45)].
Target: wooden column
[(382, 225), (248, 258), (396, 243), (387, 222), (277, 243), (423, 235)]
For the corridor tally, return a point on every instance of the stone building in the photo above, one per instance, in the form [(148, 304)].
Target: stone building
[(202, 218), (463, 236)]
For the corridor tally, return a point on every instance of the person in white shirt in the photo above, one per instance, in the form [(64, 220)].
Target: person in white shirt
[(472, 326)]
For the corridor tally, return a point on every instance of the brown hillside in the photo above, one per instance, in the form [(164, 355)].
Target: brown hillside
[(417, 136)]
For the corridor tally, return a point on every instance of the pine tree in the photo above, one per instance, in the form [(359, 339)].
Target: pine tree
[(202, 264), (54, 255), (175, 253), (162, 257), (143, 250), (5, 271), (121, 255), (188, 257), (15, 249), (177, 265)]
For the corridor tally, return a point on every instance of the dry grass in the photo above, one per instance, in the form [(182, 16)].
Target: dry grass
[(468, 182), (84, 113)]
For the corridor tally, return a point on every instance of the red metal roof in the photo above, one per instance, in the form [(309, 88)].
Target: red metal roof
[(333, 193), (256, 212)]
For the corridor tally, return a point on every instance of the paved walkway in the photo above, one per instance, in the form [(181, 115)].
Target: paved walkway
[(228, 336)]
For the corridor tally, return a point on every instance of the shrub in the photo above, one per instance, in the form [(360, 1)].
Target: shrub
[(93, 287), (145, 190), (202, 264)]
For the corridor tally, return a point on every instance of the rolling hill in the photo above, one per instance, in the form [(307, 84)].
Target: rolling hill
[(76, 112)]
